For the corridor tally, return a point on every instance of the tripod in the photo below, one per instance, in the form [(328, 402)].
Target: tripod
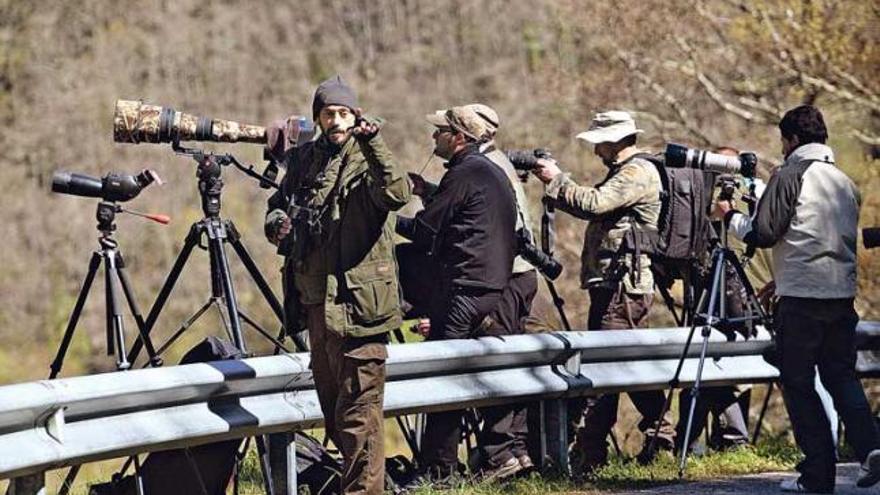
[(218, 231), (114, 275), (711, 312), (114, 278)]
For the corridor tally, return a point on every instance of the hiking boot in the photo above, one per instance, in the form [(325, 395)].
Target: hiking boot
[(869, 473), (505, 470), (526, 462)]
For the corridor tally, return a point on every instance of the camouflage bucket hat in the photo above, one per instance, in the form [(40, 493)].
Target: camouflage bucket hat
[(609, 127)]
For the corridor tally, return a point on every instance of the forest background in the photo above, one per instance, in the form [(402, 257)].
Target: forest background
[(704, 73)]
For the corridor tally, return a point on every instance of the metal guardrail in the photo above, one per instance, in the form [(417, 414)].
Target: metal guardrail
[(55, 423)]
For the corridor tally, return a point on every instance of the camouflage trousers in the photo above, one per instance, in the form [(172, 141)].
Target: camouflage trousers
[(349, 377), (617, 310)]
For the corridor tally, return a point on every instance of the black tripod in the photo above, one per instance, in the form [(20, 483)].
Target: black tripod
[(217, 232), (114, 277), (711, 312)]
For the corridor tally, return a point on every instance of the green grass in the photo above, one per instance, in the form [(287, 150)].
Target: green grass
[(775, 454), (772, 454)]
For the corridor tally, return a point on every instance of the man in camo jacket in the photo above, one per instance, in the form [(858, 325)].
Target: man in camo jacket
[(620, 284)]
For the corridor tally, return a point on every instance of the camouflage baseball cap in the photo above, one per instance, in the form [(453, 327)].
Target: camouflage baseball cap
[(462, 119), (489, 115)]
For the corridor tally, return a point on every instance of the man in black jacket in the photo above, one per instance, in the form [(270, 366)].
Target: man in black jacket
[(468, 226), (809, 215)]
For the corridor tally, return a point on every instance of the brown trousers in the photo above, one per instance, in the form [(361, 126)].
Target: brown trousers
[(349, 377), (617, 310)]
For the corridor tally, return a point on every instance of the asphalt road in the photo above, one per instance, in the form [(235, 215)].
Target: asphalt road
[(757, 484)]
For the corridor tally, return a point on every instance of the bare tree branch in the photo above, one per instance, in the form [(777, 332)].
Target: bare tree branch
[(865, 138), (825, 85), (683, 117)]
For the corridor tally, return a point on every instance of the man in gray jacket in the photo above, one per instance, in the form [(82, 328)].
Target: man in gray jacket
[(809, 215)]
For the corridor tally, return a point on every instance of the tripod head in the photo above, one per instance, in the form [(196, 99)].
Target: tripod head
[(106, 216), (209, 172)]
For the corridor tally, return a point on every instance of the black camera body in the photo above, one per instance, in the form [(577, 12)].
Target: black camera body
[(727, 186), (525, 160), (114, 186)]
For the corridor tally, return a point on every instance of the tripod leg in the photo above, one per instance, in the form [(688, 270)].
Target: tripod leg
[(764, 407), (116, 326), (675, 381), (215, 246), (138, 480), (67, 484), (74, 316), (135, 311), (191, 240), (192, 319), (278, 345), (559, 303), (263, 285), (408, 435), (259, 279), (263, 455), (716, 294), (695, 396)]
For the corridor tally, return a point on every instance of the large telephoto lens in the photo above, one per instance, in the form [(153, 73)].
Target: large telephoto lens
[(678, 156), (138, 122), (77, 184)]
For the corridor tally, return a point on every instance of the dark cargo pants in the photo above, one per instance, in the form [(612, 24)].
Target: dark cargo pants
[(821, 332), (349, 377), (458, 314), (617, 310), (505, 428)]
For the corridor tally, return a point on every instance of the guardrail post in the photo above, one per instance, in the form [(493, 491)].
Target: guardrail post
[(34, 484), (282, 459), (554, 434), (554, 422)]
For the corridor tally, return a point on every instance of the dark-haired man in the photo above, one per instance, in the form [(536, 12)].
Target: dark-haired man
[(340, 275), (809, 215)]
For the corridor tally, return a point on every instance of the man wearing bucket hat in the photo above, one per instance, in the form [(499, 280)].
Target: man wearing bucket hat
[(620, 287), (468, 227)]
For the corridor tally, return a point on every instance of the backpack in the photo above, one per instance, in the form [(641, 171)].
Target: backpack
[(683, 230)]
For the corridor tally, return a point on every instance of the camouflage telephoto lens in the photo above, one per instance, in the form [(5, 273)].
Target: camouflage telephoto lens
[(139, 122)]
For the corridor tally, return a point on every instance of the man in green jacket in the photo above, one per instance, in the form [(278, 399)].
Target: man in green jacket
[(333, 219)]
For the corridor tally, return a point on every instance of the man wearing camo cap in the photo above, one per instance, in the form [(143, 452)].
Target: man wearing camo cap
[(620, 287), (468, 227)]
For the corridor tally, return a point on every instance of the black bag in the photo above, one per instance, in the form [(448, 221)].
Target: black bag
[(201, 469), (317, 471)]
